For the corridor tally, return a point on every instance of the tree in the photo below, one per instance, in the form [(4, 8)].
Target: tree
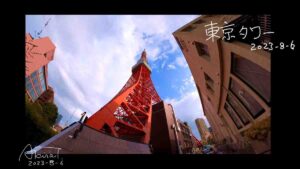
[(38, 122), (259, 130), (50, 112)]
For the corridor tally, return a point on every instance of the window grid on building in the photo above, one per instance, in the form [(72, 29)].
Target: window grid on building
[(35, 84), (238, 108), (233, 116), (252, 106), (254, 76)]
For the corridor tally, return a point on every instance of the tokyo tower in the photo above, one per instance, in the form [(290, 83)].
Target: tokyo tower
[(128, 114)]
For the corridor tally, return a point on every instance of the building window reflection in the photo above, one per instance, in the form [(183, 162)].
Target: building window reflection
[(238, 108), (35, 83), (233, 116), (246, 99), (253, 75)]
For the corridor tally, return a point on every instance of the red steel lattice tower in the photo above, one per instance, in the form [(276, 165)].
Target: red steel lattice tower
[(128, 114)]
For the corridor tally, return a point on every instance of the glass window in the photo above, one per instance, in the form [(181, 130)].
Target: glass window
[(28, 83), (232, 115), (43, 85), (202, 50), (238, 108), (41, 76), (38, 90), (42, 80), (32, 94), (35, 81), (33, 75), (41, 70), (29, 87), (253, 75), (27, 80), (248, 101)]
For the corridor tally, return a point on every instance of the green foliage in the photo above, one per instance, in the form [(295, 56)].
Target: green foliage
[(259, 130), (50, 111), (39, 119)]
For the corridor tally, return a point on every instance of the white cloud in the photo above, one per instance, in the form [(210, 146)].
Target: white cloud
[(65, 103), (152, 53), (171, 66), (180, 61), (87, 69), (185, 85)]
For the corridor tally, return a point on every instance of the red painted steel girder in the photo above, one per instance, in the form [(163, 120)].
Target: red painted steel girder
[(128, 114)]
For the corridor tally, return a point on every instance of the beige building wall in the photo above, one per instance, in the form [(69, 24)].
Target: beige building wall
[(212, 72), (203, 130)]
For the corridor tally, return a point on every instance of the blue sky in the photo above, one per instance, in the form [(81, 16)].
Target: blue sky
[(94, 56)]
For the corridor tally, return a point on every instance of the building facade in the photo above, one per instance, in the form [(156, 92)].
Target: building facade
[(164, 138), (39, 52), (203, 130), (186, 140), (170, 135), (232, 80)]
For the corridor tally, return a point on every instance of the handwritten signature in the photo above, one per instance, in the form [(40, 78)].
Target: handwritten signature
[(32, 154)]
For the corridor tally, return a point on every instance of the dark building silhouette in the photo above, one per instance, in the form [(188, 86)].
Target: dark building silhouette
[(163, 134)]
